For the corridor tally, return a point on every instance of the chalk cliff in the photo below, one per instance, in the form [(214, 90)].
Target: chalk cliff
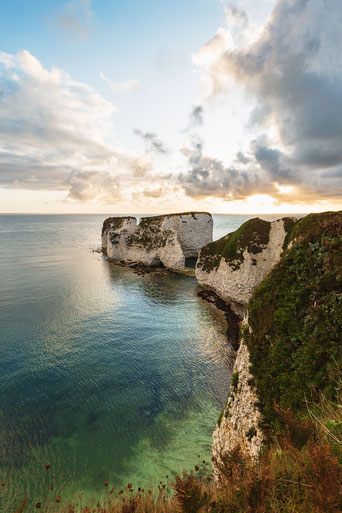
[(235, 265), (167, 239), (239, 422), (291, 337)]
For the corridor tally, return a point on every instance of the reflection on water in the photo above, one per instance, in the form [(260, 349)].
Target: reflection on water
[(106, 374)]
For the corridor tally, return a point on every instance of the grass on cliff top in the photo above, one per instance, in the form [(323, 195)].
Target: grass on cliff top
[(253, 235), (300, 471), (295, 319), (308, 224)]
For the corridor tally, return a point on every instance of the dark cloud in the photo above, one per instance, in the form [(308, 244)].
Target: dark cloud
[(196, 116), (294, 71), (208, 176), (153, 143)]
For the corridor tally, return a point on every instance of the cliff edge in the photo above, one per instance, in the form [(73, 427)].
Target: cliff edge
[(291, 347)]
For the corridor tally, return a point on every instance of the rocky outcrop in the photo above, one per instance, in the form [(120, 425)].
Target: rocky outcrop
[(116, 226), (166, 240), (235, 265)]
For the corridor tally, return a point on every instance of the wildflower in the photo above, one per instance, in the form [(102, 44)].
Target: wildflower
[(38, 505), (106, 483), (51, 486), (58, 498), (196, 468), (47, 466)]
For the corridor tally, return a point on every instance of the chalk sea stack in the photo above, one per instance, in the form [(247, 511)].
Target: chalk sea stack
[(157, 240)]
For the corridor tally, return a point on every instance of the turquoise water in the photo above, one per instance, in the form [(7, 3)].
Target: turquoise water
[(106, 374)]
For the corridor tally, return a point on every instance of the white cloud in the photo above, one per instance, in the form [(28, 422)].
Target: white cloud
[(56, 134), (121, 87)]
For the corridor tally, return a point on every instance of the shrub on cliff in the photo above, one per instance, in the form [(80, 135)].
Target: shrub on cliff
[(295, 318)]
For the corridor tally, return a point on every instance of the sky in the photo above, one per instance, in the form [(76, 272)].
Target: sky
[(153, 106)]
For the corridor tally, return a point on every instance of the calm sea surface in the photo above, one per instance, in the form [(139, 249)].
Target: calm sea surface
[(105, 374)]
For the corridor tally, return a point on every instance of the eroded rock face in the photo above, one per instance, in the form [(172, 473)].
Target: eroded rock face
[(236, 264), (167, 240), (239, 424), (116, 226)]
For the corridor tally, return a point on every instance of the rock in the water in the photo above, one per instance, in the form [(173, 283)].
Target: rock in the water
[(166, 240), (235, 265)]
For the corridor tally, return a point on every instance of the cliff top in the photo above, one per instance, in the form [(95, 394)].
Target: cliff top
[(252, 236), (114, 222)]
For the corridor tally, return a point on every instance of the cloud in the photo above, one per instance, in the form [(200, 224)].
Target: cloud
[(293, 70), (152, 141), (55, 134), (196, 116), (75, 16), (207, 176), (121, 87)]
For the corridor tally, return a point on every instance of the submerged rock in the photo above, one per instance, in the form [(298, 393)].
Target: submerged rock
[(166, 240), (235, 265)]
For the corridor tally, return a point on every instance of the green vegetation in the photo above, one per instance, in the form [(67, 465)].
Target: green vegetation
[(309, 224), (250, 433), (114, 223), (235, 380), (295, 319), (149, 236), (219, 419), (253, 235)]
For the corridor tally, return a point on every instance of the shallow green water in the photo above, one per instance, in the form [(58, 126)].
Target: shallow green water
[(105, 374)]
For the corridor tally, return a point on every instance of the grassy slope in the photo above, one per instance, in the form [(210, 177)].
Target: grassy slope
[(253, 235), (295, 317)]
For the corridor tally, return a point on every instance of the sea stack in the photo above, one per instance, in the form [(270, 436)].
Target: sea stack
[(166, 240)]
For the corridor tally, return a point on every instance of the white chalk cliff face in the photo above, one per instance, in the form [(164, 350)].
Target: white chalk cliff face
[(236, 264), (118, 226), (167, 240), (239, 423)]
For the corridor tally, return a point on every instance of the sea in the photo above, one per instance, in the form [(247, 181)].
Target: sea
[(105, 374)]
